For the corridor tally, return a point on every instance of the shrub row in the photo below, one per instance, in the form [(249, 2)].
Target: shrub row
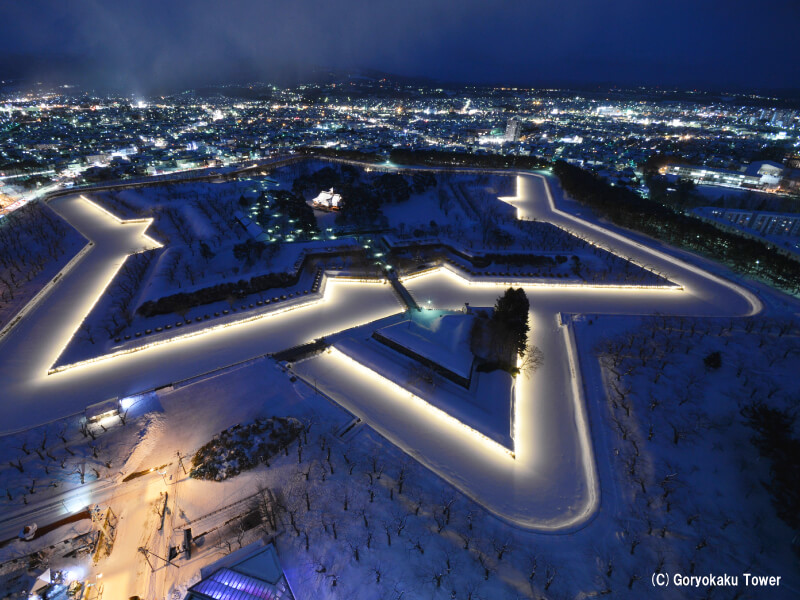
[(183, 301)]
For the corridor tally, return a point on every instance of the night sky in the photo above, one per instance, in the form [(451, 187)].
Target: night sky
[(143, 46)]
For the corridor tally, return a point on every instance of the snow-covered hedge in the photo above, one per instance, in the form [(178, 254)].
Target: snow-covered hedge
[(175, 303), (243, 447)]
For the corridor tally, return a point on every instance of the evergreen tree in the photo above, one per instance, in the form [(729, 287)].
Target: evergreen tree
[(511, 315)]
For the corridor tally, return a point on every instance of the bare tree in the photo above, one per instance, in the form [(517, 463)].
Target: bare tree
[(387, 528), (80, 469), (531, 360), (501, 547), (87, 332), (549, 576), (440, 519), (486, 565)]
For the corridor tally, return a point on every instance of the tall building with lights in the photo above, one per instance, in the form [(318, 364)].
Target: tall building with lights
[(513, 128)]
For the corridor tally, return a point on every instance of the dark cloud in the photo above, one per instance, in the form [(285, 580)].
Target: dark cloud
[(143, 44)]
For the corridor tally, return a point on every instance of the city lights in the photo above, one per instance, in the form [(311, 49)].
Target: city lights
[(281, 232)]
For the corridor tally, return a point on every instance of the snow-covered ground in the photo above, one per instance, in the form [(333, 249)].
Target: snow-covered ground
[(35, 245), (429, 540), (441, 337), (201, 223), (484, 404)]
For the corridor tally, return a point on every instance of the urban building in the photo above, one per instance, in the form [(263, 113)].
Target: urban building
[(762, 175), (251, 573), (765, 223), (327, 200), (711, 176), (513, 129)]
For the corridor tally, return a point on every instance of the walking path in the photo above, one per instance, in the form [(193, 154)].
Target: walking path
[(550, 484)]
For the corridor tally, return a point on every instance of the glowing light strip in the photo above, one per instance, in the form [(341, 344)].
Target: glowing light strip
[(417, 274), (582, 420), (424, 404), (756, 305), (31, 304), (514, 401), (484, 282), (122, 352), (206, 330), (100, 294), (517, 198), (147, 221), (351, 279)]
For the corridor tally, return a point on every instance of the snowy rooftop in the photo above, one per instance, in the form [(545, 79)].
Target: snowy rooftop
[(442, 338), (328, 198), (256, 576)]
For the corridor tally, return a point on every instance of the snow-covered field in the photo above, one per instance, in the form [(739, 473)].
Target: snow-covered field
[(386, 379), (624, 441), (202, 223), (34, 246)]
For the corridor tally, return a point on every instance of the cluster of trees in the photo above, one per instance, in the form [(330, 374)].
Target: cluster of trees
[(776, 441), (520, 260), (250, 251), (21, 166), (113, 201), (673, 386), (56, 457), (627, 209), (188, 257), (243, 447), (362, 197), (482, 207), (352, 513), (355, 155), (546, 236), (121, 294), (360, 207), (281, 206), (391, 187), (295, 207), (30, 238), (327, 177), (421, 181), (498, 341), (463, 159), (511, 316)]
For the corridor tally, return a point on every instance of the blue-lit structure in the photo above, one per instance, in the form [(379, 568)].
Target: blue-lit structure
[(247, 574)]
